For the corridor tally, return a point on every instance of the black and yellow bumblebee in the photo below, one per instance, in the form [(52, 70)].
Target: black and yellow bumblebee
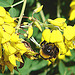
[(48, 50)]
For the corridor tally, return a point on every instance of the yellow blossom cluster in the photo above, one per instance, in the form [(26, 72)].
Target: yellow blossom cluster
[(72, 11), (64, 39), (11, 46)]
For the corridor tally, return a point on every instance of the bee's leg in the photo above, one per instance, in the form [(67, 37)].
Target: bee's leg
[(50, 60)]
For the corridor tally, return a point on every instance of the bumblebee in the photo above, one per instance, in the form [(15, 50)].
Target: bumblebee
[(48, 50)]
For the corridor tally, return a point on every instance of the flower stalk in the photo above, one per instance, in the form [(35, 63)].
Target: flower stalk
[(21, 15)]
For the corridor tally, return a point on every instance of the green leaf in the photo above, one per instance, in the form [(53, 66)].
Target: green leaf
[(62, 69), (73, 55), (6, 3), (39, 65), (14, 12), (26, 68)]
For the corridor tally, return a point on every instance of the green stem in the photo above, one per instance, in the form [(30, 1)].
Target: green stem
[(17, 3), (21, 15), (58, 9)]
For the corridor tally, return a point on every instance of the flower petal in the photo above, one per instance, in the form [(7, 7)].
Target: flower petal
[(69, 32), (56, 36), (30, 31), (12, 59), (46, 35)]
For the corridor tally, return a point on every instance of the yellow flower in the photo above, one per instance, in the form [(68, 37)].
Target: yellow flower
[(38, 9), (57, 21), (72, 3), (8, 29), (8, 19), (72, 11), (61, 42), (30, 31), (56, 36), (6, 37), (2, 12), (46, 35), (62, 47), (12, 59), (68, 53), (60, 56), (9, 49), (69, 32), (69, 44), (14, 38), (72, 14), (1, 20)]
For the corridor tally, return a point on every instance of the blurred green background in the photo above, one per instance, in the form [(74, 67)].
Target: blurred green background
[(40, 67)]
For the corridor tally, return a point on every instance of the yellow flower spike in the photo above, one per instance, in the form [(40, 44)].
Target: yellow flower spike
[(1, 20), (68, 53), (38, 25), (72, 15), (30, 31), (8, 19), (61, 56), (46, 35), (8, 29), (56, 36), (38, 9), (57, 21), (10, 66), (14, 38), (2, 12), (12, 59), (69, 32)]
